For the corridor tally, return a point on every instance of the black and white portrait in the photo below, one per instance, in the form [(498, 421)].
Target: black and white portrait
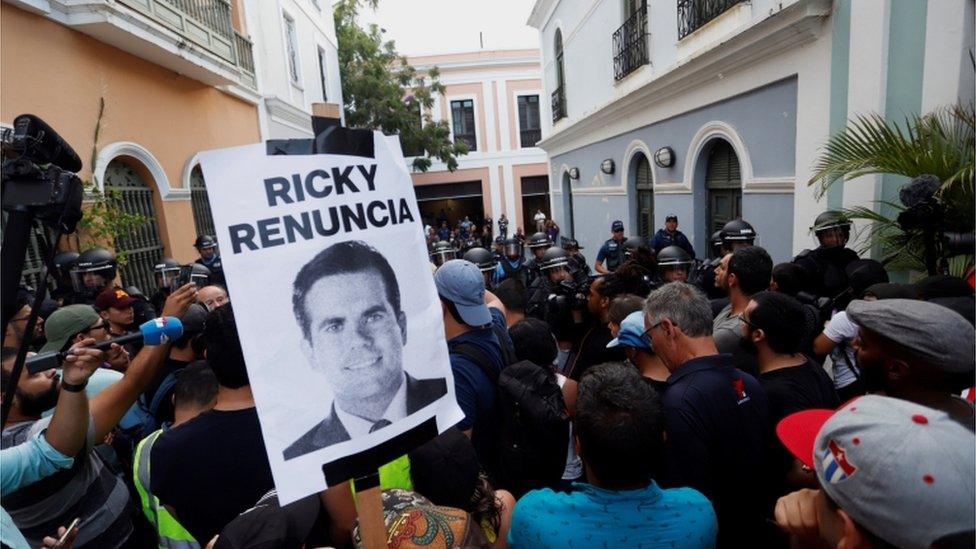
[(346, 301)]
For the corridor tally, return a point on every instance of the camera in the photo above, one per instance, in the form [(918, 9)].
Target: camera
[(925, 212)]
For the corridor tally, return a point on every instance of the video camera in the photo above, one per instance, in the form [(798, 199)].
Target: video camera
[(925, 211)]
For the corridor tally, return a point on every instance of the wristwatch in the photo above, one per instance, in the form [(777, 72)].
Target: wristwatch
[(73, 388)]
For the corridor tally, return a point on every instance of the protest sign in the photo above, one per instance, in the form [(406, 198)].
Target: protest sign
[(339, 320)]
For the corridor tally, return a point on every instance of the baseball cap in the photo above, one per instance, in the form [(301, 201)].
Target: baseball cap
[(939, 336), (631, 333), (462, 283), (116, 298), (64, 323), (445, 469), (902, 471), (670, 217), (194, 319), (617, 225)]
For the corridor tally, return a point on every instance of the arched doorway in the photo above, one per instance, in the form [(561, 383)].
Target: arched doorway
[(142, 247), (643, 186), (568, 227), (723, 184), (200, 201)]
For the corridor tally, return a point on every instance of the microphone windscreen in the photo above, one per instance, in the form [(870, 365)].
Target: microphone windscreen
[(161, 330)]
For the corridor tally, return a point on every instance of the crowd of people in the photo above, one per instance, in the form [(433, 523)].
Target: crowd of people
[(651, 399), (468, 234)]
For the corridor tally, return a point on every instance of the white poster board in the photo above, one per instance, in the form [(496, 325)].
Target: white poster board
[(339, 320)]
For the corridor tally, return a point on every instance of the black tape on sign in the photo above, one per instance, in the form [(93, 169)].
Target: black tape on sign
[(329, 139), (367, 462)]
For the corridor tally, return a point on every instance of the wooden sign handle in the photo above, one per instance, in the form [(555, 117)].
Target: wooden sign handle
[(369, 505)]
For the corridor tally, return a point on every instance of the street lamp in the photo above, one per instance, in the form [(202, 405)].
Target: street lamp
[(664, 157), (607, 166), (574, 173)]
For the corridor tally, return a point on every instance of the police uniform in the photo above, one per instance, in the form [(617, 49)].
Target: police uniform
[(612, 254), (825, 268), (216, 270)]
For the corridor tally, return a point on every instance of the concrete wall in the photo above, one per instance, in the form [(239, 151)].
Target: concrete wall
[(761, 126), (60, 74)]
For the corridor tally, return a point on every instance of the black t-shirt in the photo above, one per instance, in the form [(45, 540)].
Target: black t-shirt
[(797, 388), (210, 469), (659, 386), (593, 350)]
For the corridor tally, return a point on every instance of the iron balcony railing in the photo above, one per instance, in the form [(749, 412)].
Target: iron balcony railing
[(245, 60), (630, 45), (214, 14), (558, 104), (530, 137), (695, 14)]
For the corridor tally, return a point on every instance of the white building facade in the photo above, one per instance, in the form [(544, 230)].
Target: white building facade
[(493, 101), (735, 99), (296, 62)]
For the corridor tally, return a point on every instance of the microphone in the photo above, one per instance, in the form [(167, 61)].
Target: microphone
[(152, 332)]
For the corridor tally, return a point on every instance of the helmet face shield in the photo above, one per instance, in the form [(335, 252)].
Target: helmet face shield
[(834, 236), (441, 256), (513, 249), (91, 280), (677, 272), (166, 277), (208, 253)]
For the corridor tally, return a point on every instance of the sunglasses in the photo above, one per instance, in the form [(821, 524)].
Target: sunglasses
[(647, 333), (103, 325), (742, 318)]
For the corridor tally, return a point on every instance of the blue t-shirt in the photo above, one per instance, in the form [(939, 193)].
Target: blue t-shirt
[(475, 391), (588, 516)]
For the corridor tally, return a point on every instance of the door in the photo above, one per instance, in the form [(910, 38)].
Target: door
[(723, 182), (644, 186), (142, 248)]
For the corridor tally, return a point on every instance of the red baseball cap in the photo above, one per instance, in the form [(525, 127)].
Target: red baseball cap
[(798, 431), (116, 298)]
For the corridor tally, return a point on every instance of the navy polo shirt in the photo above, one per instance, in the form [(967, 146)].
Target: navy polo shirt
[(717, 424)]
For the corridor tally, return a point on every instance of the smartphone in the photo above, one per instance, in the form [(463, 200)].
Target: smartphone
[(185, 276), (67, 533)]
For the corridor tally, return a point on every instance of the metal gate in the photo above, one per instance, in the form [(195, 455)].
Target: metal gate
[(724, 183), (141, 247), (202, 218), (35, 253)]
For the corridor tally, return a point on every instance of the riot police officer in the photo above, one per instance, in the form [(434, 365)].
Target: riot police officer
[(715, 245), (611, 254), (555, 279), (512, 265), (736, 234), (674, 264), (577, 261), (63, 261), (206, 245), (92, 272), (825, 266), (441, 253), (165, 272), (486, 263), (538, 244)]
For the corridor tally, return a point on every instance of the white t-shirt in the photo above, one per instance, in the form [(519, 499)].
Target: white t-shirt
[(574, 465), (842, 331), (540, 217)]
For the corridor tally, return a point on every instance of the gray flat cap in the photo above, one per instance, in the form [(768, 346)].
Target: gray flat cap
[(940, 336)]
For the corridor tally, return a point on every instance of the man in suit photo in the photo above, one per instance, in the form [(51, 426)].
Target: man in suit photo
[(347, 302)]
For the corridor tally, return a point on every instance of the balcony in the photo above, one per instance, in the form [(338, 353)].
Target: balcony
[(530, 137), (245, 60), (630, 45), (558, 104), (695, 14), (205, 22)]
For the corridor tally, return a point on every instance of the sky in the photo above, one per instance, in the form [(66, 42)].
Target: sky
[(425, 27)]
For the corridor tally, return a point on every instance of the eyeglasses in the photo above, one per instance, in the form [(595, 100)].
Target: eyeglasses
[(647, 333), (744, 320), (103, 325)]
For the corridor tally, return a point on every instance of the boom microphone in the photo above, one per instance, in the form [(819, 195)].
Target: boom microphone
[(152, 332)]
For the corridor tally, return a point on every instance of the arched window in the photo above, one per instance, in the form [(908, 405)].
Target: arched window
[(723, 181), (142, 247), (202, 218), (644, 187), (559, 94)]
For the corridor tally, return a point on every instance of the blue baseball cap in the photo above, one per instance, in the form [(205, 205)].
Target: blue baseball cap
[(617, 225), (632, 333), (462, 283)]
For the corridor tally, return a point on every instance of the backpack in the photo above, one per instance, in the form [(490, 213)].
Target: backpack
[(534, 428)]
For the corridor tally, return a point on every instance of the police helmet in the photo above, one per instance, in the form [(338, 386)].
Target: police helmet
[(832, 220), (482, 258), (199, 275), (63, 262), (205, 241), (738, 230), (539, 240), (442, 252), (716, 243), (634, 242), (553, 258), (96, 261), (166, 272), (674, 256), (513, 247), (570, 243)]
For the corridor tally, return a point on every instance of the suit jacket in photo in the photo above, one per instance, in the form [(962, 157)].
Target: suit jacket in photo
[(329, 431)]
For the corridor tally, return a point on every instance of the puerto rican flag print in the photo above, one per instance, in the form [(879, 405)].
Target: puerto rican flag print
[(836, 465)]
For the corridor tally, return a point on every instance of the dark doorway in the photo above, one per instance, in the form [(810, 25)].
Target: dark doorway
[(644, 195), (567, 188), (451, 202), (535, 197), (723, 181)]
